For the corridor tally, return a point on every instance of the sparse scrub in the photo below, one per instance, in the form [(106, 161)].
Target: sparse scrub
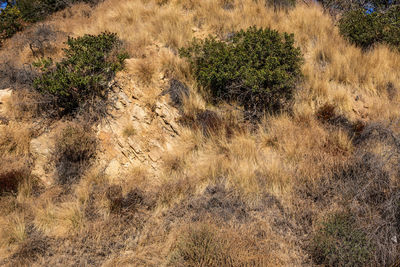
[(258, 68), (145, 70), (42, 40), (14, 154), (90, 63), (200, 247), (339, 243), (13, 229), (281, 4), (30, 249), (216, 188), (177, 91), (75, 147)]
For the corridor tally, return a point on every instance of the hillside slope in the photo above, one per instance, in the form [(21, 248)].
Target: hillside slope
[(178, 181)]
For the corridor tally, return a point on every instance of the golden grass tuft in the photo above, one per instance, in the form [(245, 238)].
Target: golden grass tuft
[(266, 166)]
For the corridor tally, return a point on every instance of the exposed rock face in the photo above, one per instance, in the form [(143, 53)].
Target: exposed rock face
[(154, 127), (4, 95), (153, 124), (41, 151)]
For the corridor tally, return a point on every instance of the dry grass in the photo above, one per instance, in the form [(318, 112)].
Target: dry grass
[(280, 177)]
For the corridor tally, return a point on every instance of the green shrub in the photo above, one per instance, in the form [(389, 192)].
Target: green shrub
[(10, 22), (338, 242), (89, 64), (346, 5), (365, 30), (258, 68), (36, 10), (360, 28), (391, 26), (14, 16)]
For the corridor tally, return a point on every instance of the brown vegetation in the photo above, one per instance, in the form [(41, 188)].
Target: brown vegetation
[(225, 192)]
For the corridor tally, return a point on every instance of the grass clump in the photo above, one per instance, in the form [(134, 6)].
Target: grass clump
[(200, 246), (257, 67), (75, 147), (338, 242), (365, 30), (90, 62)]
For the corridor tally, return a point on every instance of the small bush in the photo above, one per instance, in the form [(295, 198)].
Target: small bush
[(15, 77), (365, 30), (42, 40), (339, 243), (338, 6), (209, 122), (36, 10), (10, 22), (75, 147), (19, 13), (279, 4), (89, 64), (177, 91), (200, 246), (258, 68)]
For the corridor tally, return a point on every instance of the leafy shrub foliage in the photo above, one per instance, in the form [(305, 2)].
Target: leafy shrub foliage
[(346, 5), (89, 64), (10, 22), (339, 243), (364, 29), (22, 12), (75, 147), (36, 10), (257, 68)]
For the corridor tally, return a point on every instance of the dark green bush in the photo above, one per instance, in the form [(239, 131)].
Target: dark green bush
[(391, 26), (360, 28), (339, 242), (346, 5), (22, 12), (89, 64), (258, 68), (10, 22), (365, 30), (36, 10)]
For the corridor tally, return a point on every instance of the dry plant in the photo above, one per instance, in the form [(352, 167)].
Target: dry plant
[(337, 149)]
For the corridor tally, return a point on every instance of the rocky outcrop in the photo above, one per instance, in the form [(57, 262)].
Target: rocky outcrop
[(4, 95), (153, 127)]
